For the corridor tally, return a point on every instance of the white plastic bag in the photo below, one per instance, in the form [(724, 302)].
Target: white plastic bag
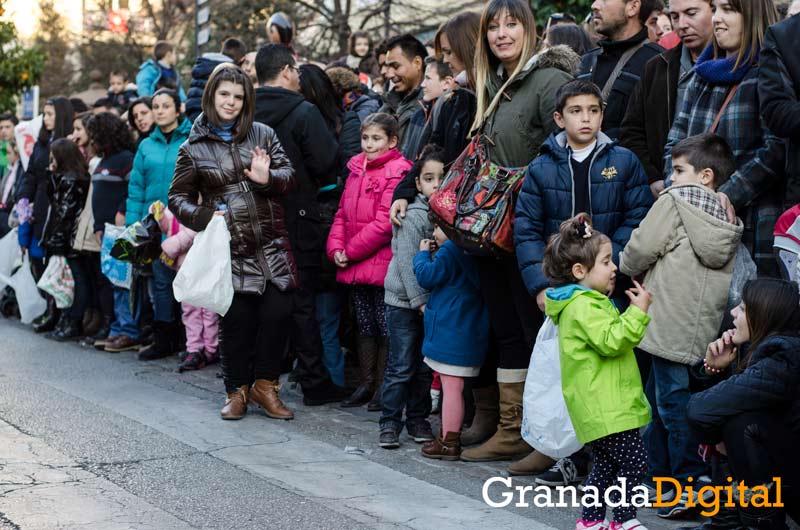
[(9, 255), (57, 281), (30, 302), (205, 278), (546, 424), (119, 273)]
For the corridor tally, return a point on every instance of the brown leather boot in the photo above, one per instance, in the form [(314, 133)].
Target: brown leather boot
[(447, 449), (265, 394), (507, 441), (484, 424), (236, 405), (533, 464)]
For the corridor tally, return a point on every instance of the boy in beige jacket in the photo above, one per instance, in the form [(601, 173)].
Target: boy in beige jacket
[(686, 248)]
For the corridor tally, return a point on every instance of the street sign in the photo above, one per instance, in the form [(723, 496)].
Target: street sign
[(30, 103), (203, 36), (203, 15)]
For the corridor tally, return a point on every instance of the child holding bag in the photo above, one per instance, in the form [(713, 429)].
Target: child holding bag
[(599, 376), (202, 325), (359, 244), (456, 332)]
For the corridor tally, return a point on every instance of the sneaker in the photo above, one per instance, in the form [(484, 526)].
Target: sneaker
[(420, 432), (666, 496), (591, 525), (630, 524), (389, 440), (436, 401), (193, 361), (563, 473), (676, 510)]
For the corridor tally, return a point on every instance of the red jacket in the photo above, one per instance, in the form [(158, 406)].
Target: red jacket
[(361, 227)]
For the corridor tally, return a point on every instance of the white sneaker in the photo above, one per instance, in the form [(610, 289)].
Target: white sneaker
[(592, 525), (631, 524)]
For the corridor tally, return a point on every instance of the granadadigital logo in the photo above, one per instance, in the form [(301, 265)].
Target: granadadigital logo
[(499, 492)]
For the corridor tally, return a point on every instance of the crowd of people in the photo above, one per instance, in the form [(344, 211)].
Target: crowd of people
[(657, 151)]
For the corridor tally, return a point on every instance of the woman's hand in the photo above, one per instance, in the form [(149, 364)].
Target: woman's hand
[(99, 236), (728, 205), (721, 353), (119, 219), (398, 211), (340, 259), (259, 167), (640, 297)]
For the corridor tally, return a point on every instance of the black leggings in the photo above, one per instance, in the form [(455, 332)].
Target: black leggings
[(92, 288), (253, 337), (760, 447)]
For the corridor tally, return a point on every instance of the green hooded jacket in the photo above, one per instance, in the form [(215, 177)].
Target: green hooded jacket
[(599, 375)]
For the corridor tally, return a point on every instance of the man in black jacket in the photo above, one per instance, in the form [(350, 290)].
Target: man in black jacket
[(658, 96), (779, 92), (622, 23), (312, 149)]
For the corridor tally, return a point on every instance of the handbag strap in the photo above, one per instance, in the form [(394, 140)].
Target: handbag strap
[(725, 103), (623, 61)]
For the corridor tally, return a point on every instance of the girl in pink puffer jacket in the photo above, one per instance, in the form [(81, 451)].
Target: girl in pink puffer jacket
[(360, 244), (202, 325)]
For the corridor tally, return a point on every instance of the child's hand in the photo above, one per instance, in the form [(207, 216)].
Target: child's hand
[(340, 258), (640, 297), (722, 352), (427, 244), (540, 298), (259, 167)]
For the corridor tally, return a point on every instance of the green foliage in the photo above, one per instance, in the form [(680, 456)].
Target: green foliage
[(20, 67), (544, 8)]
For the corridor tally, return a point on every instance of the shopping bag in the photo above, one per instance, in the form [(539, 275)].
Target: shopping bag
[(205, 279), (9, 255), (119, 273), (57, 281), (140, 243), (546, 424), (30, 302)]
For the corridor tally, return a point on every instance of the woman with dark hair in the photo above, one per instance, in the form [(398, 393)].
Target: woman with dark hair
[(140, 118), (572, 35), (239, 168), (67, 189), (318, 89), (113, 143), (359, 56), (722, 97), (149, 182), (754, 415), (56, 123)]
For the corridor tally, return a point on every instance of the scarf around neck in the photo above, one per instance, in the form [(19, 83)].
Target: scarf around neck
[(720, 71)]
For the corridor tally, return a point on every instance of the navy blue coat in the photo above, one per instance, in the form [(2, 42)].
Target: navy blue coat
[(619, 198), (456, 320), (769, 384), (201, 71)]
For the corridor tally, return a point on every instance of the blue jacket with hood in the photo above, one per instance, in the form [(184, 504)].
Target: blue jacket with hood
[(619, 198)]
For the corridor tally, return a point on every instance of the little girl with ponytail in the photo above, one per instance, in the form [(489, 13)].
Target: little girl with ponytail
[(599, 375)]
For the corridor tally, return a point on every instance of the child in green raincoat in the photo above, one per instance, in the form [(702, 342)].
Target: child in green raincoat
[(599, 376)]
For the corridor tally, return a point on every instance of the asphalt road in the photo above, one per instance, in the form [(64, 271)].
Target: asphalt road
[(101, 441)]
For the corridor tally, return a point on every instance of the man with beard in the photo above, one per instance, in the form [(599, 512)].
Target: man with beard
[(617, 65), (659, 95)]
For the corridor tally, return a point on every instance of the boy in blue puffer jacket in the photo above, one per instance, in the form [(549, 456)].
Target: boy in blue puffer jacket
[(578, 170)]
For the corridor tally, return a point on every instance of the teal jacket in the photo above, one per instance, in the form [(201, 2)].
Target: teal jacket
[(147, 78), (152, 171), (599, 375)]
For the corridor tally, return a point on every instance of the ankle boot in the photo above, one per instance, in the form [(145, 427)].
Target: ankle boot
[(367, 359), (763, 518), (375, 404), (98, 340), (92, 322), (48, 321), (264, 393), (533, 464), (236, 405), (162, 342), (507, 442), (484, 424), (448, 448), (71, 329)]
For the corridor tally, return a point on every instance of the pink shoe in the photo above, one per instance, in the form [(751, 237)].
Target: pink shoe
[(591, 525), (631, 524)]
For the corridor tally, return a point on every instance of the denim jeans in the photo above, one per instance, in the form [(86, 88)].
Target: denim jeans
[(328, 307), (124, 323), (671, 445), (160, 290), (407, 382)]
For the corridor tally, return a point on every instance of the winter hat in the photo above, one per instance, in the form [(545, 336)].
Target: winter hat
[(787, 230)]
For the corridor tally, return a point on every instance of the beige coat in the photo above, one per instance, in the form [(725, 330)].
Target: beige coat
[(688, 255), (85, 240)]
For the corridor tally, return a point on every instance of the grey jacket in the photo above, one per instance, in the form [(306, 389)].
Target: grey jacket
[(402, 289)]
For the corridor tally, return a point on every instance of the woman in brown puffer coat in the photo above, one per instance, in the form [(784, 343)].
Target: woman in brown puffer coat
[(239, 169)]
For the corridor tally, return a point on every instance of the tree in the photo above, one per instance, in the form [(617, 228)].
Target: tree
[(20, 67), (53, 37), (545, 8)]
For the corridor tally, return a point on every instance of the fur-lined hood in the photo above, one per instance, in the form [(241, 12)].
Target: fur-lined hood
[(562, 57)]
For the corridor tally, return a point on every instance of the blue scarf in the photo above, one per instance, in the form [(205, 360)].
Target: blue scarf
[(224, 132), (720, 71)]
